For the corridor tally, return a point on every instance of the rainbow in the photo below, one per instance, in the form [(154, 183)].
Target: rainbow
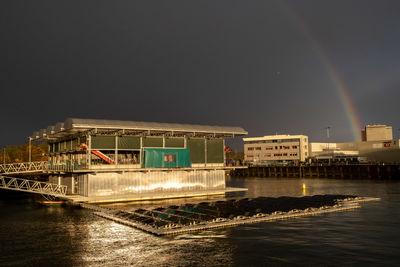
[(343, 95)]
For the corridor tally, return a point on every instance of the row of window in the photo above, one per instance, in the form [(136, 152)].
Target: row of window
[(275, 141), (273, 147), (254, 148), (275, 155)]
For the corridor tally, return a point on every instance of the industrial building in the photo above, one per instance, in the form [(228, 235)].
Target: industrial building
[(110, 158), (377, 145), (275, 149), (376, 132)]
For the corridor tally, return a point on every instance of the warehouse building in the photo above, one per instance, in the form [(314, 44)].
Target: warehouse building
[(377, 145), (99, 158)]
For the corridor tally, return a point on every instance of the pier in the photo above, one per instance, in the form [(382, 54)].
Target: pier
[(341, 171)]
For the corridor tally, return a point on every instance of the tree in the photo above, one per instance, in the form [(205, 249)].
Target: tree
[(20, 153)]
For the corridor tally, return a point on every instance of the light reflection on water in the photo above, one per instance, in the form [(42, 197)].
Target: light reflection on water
[(35, 235)]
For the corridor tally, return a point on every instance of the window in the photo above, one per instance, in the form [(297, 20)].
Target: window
[(294, 147), (250, 148), (258, 148), (170, 158), (269, 148)]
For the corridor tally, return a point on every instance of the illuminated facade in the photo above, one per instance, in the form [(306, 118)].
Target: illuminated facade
[(275, 149), (376, 132), (377, 145)]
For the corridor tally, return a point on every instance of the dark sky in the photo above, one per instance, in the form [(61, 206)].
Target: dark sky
[(268, 66)]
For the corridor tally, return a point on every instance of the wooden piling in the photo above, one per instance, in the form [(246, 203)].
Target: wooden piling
[(327, 171)]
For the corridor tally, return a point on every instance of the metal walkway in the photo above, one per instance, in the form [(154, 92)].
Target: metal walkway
[(24, 167), (31, 186)]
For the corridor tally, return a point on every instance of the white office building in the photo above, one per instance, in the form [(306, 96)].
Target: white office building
[(275, 149)]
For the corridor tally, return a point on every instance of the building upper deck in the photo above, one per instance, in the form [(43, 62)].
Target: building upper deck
[(87, 144)]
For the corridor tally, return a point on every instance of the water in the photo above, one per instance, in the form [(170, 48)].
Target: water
[(34, 235)]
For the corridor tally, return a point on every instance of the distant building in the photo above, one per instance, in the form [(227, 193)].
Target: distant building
[(377, 145), (332, 152), (376, 132), (274, 149)]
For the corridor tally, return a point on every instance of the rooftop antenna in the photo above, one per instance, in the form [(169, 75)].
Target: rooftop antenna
[(327, 131)]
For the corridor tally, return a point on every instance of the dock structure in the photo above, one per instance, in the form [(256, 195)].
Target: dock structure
[(340, 171), (108, 160), (202, 216)]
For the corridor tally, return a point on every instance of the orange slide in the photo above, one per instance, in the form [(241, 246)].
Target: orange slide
[(99, 154)]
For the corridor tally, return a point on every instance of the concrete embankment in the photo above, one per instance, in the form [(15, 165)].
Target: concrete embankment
[(356, 171)]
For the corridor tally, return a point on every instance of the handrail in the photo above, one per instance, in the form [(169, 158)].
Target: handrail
[(24, 167), (32, 186)]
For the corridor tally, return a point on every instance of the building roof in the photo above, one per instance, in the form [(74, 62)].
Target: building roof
[(74, 125), (273, 137)]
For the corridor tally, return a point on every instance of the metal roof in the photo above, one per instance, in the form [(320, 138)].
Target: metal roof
[(274, 137), (75, 125)]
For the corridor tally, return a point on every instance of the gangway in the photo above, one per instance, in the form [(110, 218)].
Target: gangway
[(32, 186), (24, 167)]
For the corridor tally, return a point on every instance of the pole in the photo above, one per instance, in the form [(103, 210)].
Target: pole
[(329, 152), (30, 149), (4, 149)]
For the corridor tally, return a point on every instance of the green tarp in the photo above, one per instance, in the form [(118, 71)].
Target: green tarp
[(166, 157)]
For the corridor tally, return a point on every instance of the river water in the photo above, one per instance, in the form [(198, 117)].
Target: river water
[(32, 235)]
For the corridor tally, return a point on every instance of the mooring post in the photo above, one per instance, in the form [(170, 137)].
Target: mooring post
[(378, 171)]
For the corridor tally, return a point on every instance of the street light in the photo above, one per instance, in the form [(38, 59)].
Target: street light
[(30, 149)]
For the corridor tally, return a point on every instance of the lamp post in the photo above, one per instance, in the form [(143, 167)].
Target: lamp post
[(30, 149)]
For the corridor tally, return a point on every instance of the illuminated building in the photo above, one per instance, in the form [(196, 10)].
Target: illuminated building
[(275, 149), (110, 158)]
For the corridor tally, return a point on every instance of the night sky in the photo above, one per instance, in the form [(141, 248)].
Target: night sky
[(286, 67)]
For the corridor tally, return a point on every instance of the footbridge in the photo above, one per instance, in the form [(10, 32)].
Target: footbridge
[(31, 186), (24, 167)]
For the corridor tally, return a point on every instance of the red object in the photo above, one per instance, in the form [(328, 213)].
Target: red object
[(99, 154)]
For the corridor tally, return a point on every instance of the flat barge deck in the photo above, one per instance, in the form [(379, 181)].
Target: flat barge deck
[(185, 218)]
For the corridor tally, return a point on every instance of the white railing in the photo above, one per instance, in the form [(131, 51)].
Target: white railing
[(46, 166), (31, 186), (23, 167)]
